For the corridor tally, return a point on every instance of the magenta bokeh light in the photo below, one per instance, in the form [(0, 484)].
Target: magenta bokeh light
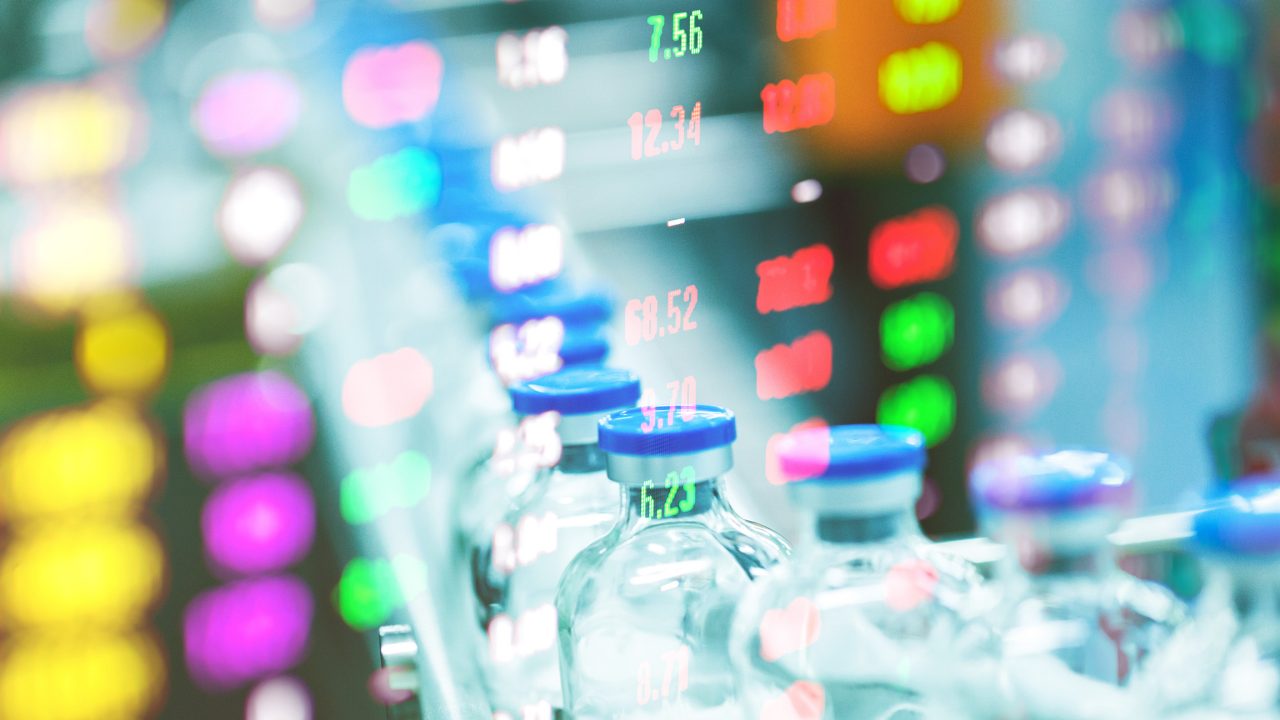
[(259, 524), (247, 422), (246, 630), (246, 112)]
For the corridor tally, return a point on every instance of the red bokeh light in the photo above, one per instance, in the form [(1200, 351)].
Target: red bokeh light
[(801, 367), (803, 278), (915, 248)]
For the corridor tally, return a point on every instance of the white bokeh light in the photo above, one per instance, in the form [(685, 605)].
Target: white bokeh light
[(1029, 57), (281, 698), (1022, 221), (285, 305), (260, 213), (1022, 140)]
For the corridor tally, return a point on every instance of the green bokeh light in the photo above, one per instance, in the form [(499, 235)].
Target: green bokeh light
[(395, 185), (919, 79), (371, 590), (923, 12), (916, 331), (367, 494), (926, 403)]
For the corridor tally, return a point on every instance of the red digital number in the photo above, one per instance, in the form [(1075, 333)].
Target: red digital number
[(801, 367), (803, 278), (920, 247), (808, 102), (652, 145), (641, 316), (804, 18)]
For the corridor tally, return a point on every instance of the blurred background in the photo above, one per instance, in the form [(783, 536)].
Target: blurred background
[(265, 266)]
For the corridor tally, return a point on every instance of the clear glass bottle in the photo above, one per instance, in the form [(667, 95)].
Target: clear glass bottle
[(645, 611), (1076, 628), (864, 619), (1226, 664), (563, 510)]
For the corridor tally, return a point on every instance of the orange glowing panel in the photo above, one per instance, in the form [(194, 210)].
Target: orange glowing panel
[(100, 460), (68, 131), (388, 388), (70, 253), (916, 248), (80, 675), (81, 573), (124, 351), (118, 29), (935, 72), (792, 281), (803, 366)]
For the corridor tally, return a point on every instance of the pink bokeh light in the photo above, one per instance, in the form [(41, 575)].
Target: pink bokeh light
[(386, 86), (247, 112)]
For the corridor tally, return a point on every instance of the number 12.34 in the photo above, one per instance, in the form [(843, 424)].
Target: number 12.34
[(688, 127)]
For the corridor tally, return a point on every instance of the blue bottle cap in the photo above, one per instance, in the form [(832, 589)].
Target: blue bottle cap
[(850, 453), (577, 391), (1244, 520), (705, 428), (1063, 480), (584, 347), (573, 305)]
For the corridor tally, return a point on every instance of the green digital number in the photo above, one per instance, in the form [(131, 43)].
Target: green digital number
[(695, 32), (673, 487), (657, 21), (690, 489), (646, 502), (678, 34)]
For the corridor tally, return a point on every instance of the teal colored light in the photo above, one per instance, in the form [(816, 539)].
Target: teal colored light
[(926, 403), (367, 494), (396, 185), (1214, 29), (916, 331)]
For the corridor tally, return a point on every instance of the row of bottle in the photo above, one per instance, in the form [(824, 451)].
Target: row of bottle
[(620, 583)]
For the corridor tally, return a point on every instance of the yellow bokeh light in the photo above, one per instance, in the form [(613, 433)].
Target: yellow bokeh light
[(94, 573), (125, 352), (67, 131), (80, 676), (96, 460), (118, 29), (79, 250)]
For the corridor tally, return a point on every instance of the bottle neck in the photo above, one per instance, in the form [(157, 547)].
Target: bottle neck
[(842, 528), (581, 459), (1048, 562), (670, 501)]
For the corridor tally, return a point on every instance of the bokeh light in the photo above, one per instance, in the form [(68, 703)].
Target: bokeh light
[(386, 389), (396, 185), (1135, 122), (247, 422), (122, 350), (259, 524), (280, 698), (920, 79), (1126, 199), (368, 494), (285, 305), (247, 630), (247, 111), (370, 590), (1022, 383), (520, 257), (916, 331), (926, 403), (1022, 140), (925, 163), (1029, 57), (1147, 37), (260, 213), (98, 460), (283, 14), (1026, 299), (806, 191), (386, 86), (79, 249), (915, 248), (926, 12), (73, 574), (1022, 221), (57, 132), (80, 676), (119, 29)]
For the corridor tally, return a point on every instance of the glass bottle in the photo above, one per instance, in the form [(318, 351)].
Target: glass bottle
[(564, 509), (1076, 628), (645, 610), (869, 614)]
